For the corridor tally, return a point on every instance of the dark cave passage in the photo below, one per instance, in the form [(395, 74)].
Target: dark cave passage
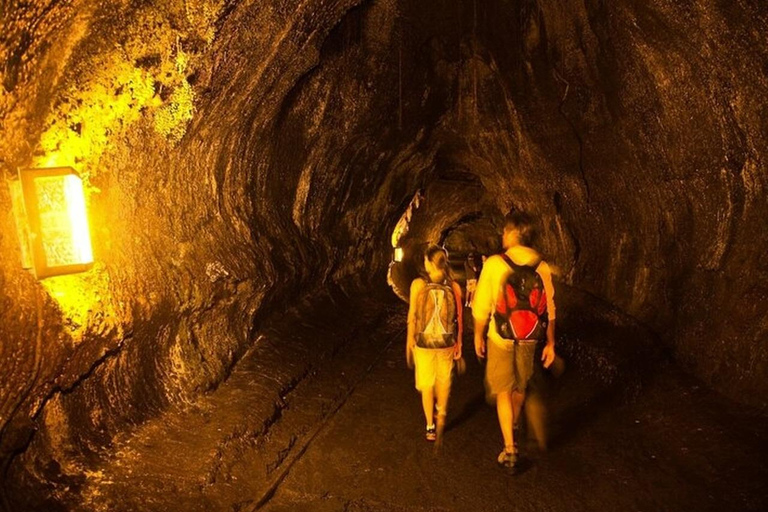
[(245, 165)]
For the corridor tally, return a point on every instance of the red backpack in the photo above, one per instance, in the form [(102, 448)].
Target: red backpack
[(521, 307)]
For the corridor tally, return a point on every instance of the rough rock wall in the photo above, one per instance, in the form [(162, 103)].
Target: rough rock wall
[(236, 153), (172, 129), (636, 131), (665, 101)]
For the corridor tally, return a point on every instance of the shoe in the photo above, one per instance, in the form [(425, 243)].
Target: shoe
[(431, 433), (507, 459)]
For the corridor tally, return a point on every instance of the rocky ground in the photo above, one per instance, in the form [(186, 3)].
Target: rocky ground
[(676, 447), (322, 415)]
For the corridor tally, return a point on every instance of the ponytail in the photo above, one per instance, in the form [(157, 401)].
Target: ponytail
[(438, 256)]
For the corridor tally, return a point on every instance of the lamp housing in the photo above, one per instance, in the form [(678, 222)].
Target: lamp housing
[(52, 221)]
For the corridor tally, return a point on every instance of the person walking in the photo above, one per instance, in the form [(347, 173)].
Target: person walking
[(470, 271), (433, 343), (515, 299)]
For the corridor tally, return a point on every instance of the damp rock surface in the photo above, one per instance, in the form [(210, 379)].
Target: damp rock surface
[(240, 154), (231, 447), (333, 423)]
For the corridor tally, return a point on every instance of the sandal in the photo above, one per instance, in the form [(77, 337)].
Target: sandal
[(507, 459), (431, 433)]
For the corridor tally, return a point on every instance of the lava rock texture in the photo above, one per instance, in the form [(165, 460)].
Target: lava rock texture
[(240, 153)]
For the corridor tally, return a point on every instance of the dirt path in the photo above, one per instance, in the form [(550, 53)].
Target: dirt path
[(325, 418), (674, 446)]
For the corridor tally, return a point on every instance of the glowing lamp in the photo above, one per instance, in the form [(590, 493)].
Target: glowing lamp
[(398, 254), (49, 206)]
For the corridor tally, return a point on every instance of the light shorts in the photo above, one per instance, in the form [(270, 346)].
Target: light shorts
[(471, 285), (433, 367), (510, 366)]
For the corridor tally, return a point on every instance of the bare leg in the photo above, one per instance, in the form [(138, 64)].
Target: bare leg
[(442, 392), (504, 412), (517, 404), (428, 403)]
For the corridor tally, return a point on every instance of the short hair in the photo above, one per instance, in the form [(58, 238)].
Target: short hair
[(523, 222)]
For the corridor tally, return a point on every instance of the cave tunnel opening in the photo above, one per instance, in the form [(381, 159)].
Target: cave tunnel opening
[(257, 173)]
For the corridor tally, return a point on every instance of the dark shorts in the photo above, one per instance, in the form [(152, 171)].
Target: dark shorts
[(511, 367)]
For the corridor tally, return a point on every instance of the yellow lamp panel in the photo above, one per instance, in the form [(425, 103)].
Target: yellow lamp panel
[(55, 218)]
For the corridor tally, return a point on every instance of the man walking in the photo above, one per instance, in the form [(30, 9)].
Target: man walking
[(516, 296)]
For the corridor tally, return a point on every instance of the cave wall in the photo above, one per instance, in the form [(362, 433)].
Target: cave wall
[(665, 102), (237, 153), (188, 242), (635, 131)]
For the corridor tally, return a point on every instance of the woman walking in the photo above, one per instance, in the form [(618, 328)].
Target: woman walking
[(434, 337)]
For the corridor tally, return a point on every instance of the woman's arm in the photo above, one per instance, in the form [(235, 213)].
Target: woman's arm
[(460, 318), (410, 340)]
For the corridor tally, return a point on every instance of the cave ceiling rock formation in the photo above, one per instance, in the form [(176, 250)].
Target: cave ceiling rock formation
[(237, 153)]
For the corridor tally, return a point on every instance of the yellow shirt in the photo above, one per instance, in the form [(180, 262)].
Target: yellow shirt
[(494, 274)]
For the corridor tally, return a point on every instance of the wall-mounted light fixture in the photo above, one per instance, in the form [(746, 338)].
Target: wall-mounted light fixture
[(49, 206), (398, 254)]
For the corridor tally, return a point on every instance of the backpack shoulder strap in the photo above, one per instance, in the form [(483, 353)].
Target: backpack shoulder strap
[(515, 266), (508, 261)]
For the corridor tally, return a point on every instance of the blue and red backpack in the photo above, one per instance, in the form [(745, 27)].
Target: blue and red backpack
[(521, 307)]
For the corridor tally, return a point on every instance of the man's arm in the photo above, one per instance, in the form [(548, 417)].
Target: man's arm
[(480, 326), (548, 355), (483, 305)]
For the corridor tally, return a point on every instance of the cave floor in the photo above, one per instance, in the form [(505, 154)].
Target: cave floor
[(667, 450), (344, 432)]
